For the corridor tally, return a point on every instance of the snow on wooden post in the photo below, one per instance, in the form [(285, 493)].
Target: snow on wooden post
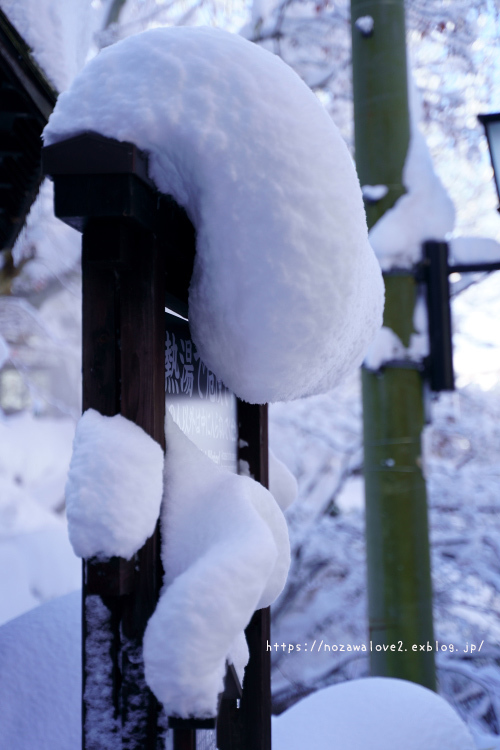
[(137, 259), (102, 188)]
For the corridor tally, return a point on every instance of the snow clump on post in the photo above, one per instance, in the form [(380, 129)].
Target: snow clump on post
[(286, 292), (114, 487), (225, 552)]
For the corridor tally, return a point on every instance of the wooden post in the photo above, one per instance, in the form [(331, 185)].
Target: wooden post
[(123, 373), (256, 699), (101, 187), (137, 255)]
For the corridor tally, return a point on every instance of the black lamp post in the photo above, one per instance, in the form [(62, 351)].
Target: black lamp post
[(491, 124), (436, 270)]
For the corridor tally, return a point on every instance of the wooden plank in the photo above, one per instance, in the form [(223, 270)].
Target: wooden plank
[(123, 373), (255, 707), (184, 739)]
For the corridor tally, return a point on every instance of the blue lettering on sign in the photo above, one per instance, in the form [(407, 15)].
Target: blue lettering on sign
[(197, 399), (184, 368)]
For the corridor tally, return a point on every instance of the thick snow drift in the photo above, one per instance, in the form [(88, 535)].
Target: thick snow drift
[(40, 678), (115, 486), (36, 559), (377, 713), (286, 292), (226, 553)]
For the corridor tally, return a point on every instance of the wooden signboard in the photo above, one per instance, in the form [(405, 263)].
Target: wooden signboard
[(200, 404)]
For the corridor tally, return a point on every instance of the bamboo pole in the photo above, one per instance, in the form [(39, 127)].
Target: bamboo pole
[(399, 584)]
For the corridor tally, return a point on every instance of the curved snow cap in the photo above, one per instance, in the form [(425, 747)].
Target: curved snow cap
[(379, 713), (286, 292)]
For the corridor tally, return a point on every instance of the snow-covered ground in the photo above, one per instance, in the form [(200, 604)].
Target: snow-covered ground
[(375, 713), (37, 561)]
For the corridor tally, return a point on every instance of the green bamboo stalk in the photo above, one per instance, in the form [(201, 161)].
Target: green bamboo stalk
[(397, 538)]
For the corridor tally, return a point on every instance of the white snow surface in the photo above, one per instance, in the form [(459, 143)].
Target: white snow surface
[(261, 10), (286, 292), (36, 559), (40, 678), (59, 33), (388, 347), (4, 351), (374, 192), (58, 246), (474, 250), (282, 483), (375, 713), (365, 24), (114, 488), (424, 212), (225, 552)]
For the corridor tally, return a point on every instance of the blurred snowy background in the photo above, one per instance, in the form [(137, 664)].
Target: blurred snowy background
[(456, 68)]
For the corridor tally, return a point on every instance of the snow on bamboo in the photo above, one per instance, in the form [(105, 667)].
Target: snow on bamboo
[(424, 212)]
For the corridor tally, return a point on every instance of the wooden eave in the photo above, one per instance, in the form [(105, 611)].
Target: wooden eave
[(26, 102)]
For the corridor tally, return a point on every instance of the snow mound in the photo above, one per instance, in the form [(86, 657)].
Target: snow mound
[(35, 453), (377, 713), (36, 565), (226, 553), (474, 250), (40, 678), (286, 292), (4, 351), (282, 484), (36, 559), (115, 486)]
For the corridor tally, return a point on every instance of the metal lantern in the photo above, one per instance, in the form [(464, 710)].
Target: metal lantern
[(491, 125)]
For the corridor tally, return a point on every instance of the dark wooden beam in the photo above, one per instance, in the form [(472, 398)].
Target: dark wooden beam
[(123, 270), (255, 707), (26, 102), (19, 58)]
